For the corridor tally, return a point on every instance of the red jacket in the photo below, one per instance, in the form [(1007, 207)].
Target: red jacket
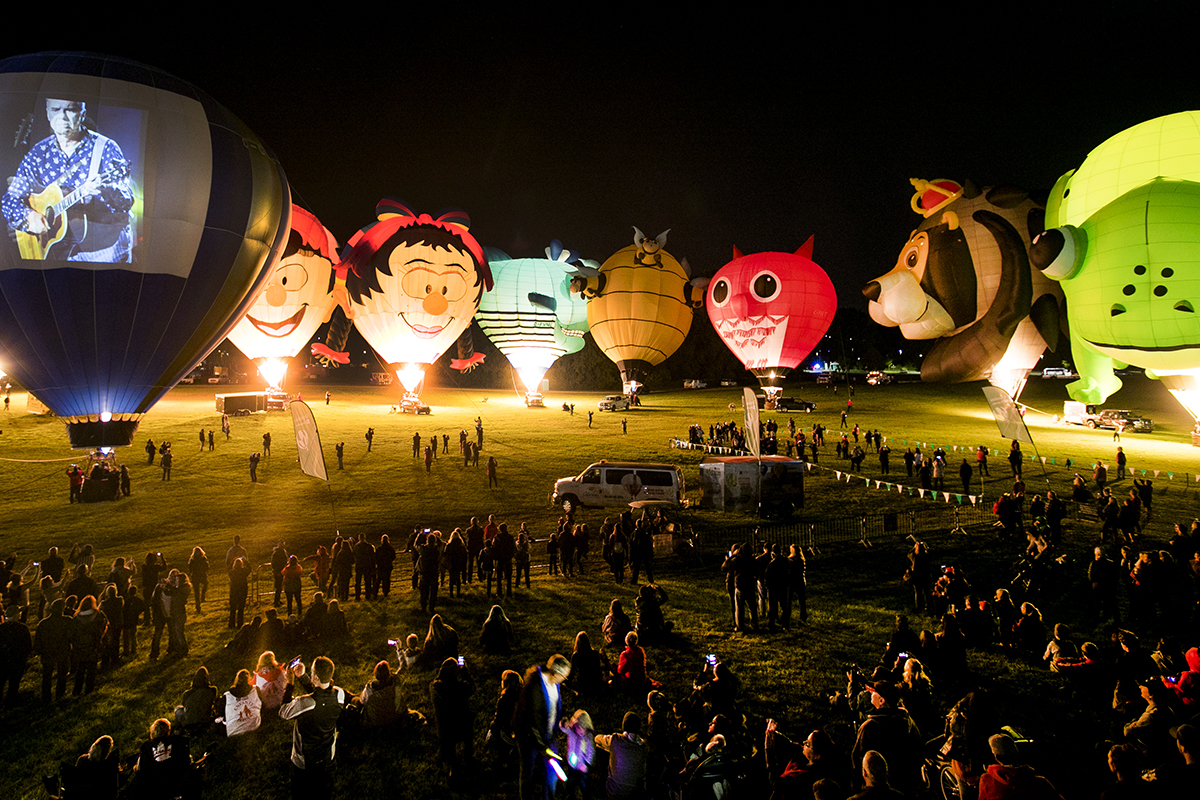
[(1015, 783)]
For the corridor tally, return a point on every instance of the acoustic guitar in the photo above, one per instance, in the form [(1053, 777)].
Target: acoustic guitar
[(63, 224)]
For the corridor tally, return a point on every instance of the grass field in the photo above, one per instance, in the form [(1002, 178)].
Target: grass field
[(853, 593)]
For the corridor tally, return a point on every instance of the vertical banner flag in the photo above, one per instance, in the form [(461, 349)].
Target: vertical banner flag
[(750, 406), (308, 441), (1008, 416)]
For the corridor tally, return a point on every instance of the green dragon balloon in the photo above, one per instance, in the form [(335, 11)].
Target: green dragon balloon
[(1123, 239)]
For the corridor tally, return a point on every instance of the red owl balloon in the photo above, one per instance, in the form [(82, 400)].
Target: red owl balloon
[(771, 310)]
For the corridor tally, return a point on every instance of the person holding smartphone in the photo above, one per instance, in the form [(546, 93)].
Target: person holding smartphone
[(314, 731)]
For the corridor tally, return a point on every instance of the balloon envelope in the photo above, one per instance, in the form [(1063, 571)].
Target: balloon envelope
[(531, 315), (155, 262), (641, 315), (414, 283), (771, 310), (297, 297)]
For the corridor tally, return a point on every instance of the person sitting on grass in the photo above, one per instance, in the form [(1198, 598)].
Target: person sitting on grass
[(652, 626), (243, 705), (497, 634), (441, 643), (631, 668), (271, 681), (590, 672), (1010, 777), (626, 759), (195, 712), (616, 624), (164, 765), (382, 702)]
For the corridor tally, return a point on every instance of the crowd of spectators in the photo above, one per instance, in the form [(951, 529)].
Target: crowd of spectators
[(919, 707)]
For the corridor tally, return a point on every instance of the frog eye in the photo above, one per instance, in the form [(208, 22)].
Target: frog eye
[(1059, 252)]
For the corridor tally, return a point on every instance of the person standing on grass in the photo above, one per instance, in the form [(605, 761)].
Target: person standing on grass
[(341, 449), (52, 643), (198, 571), (210, 441), (239, 591), (254, 459), (493, 481), (535, 722), (293, 575), (385, 562), (314, 730), (279, 560), (370, 438), (266, 440)]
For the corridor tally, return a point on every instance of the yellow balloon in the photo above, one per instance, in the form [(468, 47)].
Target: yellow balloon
[(642, 310)]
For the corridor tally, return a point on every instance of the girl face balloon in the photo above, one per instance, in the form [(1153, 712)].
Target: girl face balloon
[(297, 298), (414, 282), (771, 309)]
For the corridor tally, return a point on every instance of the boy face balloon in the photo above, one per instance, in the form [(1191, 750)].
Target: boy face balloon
[(297, 298)]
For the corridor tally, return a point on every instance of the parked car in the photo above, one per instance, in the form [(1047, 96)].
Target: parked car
[(824, 377), (613, 402), (411, 404), (878, 378), (1057, 372), (534, 400), (1124, 419)]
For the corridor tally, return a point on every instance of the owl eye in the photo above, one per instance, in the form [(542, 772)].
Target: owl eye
[(720, 293), (765, 286)]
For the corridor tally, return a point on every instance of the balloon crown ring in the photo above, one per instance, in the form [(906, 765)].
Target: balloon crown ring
[(932, 196)]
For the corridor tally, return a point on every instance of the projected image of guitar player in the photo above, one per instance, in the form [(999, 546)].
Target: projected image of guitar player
[(70, 199)]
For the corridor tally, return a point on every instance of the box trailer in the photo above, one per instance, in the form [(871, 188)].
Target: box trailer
[(241, 403)]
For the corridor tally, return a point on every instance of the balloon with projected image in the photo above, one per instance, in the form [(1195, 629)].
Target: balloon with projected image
[(771, 310), (531, 315), (640, 305), (1123, 239), (297, 298), (146, 219), (414, 283)]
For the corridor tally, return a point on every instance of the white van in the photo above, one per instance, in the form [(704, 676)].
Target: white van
[(617, 483)]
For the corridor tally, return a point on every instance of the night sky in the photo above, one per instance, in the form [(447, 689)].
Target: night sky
[(755, 131)]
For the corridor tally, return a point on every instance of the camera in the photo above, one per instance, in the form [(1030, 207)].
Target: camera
[(462, 662), (295, 662), (711, 658), (393, 642)]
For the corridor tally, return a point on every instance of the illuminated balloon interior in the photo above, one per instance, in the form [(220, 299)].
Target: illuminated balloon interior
[(273, 371), (410, 376)]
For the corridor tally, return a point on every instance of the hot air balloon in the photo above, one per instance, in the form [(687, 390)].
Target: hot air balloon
[(296, 300), (963, 279), (640, 305), (531, 315), (147, 217), (414, 284), (1123, 238), (771, 310)]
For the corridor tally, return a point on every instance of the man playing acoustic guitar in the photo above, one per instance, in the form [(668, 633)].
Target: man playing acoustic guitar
[(70, 199)]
